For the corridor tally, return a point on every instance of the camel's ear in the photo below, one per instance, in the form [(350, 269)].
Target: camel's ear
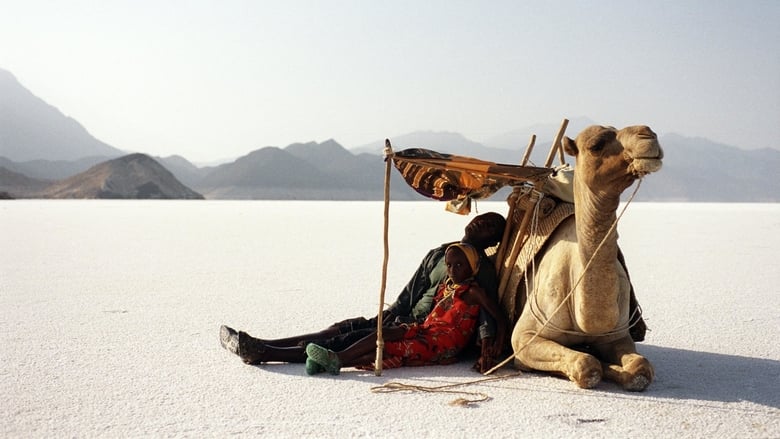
[(569, 146)]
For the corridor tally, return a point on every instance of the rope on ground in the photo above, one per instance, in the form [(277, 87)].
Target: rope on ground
[(476, 397)]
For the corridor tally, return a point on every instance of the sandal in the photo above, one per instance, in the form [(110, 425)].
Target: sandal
[(228, 338)]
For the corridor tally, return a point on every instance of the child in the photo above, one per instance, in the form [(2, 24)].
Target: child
[(439, 339)]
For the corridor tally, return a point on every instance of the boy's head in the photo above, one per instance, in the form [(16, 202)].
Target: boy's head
[(462, 261), (485, 230)]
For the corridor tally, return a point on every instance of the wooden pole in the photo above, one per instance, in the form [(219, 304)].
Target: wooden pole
[(556, 143), (380, 342), (528, 150), (517, 243), (562, 153), (511, 213)]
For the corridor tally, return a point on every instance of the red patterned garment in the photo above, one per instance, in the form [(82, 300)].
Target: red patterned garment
[(443, 334)]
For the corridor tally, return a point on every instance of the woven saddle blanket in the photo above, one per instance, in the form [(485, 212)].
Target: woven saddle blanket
[(539, 231)]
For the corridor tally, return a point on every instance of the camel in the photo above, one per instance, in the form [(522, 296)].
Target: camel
[(596, 313)]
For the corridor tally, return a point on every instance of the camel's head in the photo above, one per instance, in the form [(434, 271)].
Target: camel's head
[(609, 160)]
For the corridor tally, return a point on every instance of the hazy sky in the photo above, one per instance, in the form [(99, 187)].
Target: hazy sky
[(214, 79)]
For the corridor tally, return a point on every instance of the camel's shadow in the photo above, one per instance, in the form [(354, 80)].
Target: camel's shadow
[(679, 374), (686, 374)]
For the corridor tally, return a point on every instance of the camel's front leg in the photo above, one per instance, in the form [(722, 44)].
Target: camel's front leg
[(543, 354), (624, 366)]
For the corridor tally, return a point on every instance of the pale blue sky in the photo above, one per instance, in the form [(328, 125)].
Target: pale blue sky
[(214, 79)]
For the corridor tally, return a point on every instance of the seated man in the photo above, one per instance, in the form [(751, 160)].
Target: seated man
[(413, 305)]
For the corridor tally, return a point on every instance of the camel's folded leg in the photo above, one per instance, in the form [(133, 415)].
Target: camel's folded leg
[(624, 366), (542, 354)]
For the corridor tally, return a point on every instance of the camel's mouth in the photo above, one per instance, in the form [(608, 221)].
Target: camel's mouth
[(647, 157), (643, 166)]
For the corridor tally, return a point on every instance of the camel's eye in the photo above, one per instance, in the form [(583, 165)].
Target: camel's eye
[(598, 146), (602, 140)]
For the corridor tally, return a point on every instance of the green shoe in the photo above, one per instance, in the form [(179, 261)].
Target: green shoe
[(313, 368), (324, 357)]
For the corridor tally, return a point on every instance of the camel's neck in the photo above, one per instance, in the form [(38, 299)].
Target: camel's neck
[(596, 297), (595, 216)]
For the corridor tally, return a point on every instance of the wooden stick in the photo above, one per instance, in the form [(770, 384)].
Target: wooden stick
[(528, 150), (517, 244), (556, 143), (561, 154), (511, 213), (380, 342)]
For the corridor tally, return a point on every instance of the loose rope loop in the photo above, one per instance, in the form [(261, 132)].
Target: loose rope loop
[(392, 387)]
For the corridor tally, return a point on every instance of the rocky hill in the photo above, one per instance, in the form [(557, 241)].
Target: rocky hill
[(135, 176)]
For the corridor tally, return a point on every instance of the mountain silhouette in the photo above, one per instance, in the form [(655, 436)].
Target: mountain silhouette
[(32, 129), (315, 171), (44, 153), (134, 176)]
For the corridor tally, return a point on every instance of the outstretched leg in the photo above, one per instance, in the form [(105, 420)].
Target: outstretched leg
[(303, 339), (363, 351), (332, 331), (255, 351)]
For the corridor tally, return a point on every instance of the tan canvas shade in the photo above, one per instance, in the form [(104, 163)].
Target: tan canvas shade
[(448, 177)]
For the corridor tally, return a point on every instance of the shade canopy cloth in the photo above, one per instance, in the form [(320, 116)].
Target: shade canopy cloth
[(459, 179)]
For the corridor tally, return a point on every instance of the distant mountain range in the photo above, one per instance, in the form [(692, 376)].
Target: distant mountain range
[(45, 154), (133, 176)]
